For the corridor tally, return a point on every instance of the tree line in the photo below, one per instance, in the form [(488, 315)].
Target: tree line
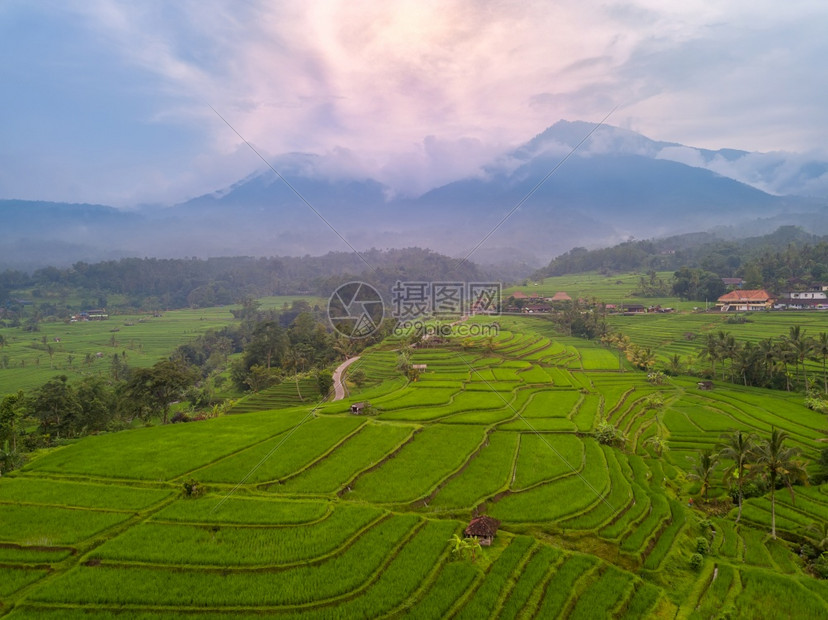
[(156, 284), (786, 259), (264, 348)]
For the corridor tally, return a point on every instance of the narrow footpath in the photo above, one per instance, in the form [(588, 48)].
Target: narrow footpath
[(339, 387)]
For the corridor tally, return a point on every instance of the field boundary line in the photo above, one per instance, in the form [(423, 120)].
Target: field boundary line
[(424, 587), (317, 460), (533, 429), (347, 543), (350, 484), (432, 493), (538, 594)]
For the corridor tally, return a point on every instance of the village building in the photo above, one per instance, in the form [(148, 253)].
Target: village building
[(483, 528), (745, 301), (560, 296), (360, 408), (705, 385), (732, 283)]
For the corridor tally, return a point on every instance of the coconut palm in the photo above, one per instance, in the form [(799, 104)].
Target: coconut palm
[(738, 447), (711, 350), (821, 352), (703, 469), (778, 463)]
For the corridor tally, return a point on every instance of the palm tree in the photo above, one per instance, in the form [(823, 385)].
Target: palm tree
[(821, 351), (767, 353), (778, 463), (703, 469), (784, 356), (800, 347), (711, 350), (737, 447)]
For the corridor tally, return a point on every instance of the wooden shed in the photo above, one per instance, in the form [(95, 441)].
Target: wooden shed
[(360, 408), (705, 385), (483, 528)]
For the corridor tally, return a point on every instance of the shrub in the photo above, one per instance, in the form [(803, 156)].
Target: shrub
[(696, 561), (702, 546), (180, 416), (656, 377), (610, 435), (821, 566), (192, 489)]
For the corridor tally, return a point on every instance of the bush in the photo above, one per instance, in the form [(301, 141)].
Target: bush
[(821, 566), (702, 546), (696, 561), (609, 435), (192, 488), (179, 416), (754, 488)]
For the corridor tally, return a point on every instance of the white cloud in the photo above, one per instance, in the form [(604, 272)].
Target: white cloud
[(416, 92)]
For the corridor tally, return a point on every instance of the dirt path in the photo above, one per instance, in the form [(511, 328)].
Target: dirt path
[(339, 388)]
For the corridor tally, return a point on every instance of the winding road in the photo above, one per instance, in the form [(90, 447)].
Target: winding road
[(339, 387)]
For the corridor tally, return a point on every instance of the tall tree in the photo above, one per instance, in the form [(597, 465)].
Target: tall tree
[(57, 406), (154, 389), (12, 411), (737, 447), (821, 352), (778, 463)]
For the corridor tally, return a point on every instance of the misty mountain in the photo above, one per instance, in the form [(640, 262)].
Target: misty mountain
[(616, 185)]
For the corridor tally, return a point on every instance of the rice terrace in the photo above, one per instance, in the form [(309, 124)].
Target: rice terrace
[(312, 511), (427, 309)]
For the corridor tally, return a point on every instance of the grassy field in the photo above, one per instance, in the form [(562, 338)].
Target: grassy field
[(613, 289), (86, 348), (310, 511)]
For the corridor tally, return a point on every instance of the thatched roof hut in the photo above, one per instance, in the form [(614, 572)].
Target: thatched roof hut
[(483, 528)]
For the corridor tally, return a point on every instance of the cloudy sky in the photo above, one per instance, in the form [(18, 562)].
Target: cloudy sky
[(110, 101)]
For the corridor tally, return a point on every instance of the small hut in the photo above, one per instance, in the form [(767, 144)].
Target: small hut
[(360, 408), (705, 385), (483, 528)]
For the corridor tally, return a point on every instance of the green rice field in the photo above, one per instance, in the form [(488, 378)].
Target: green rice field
[(310, 511)]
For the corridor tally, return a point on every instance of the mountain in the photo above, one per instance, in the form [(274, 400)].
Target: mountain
[(526, 204)]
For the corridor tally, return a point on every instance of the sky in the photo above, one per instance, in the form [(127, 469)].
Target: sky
[(118, 102)]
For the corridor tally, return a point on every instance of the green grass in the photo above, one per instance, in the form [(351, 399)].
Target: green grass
[(303, 584), (485, 599), (246, 510), (165, 452), (58, 492), (237, 545), (101, 529), (487, 473), (52, 525), (558, 589), (545, 457), (284, 454), (359, 452), (13, 579), (420, 465)]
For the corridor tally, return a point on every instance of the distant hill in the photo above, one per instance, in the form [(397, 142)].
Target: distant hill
[(617, 185)]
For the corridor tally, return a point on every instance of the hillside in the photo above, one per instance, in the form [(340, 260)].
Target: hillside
[(318, 513)]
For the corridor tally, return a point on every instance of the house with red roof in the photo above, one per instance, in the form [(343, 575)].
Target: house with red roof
[(745, 301)]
